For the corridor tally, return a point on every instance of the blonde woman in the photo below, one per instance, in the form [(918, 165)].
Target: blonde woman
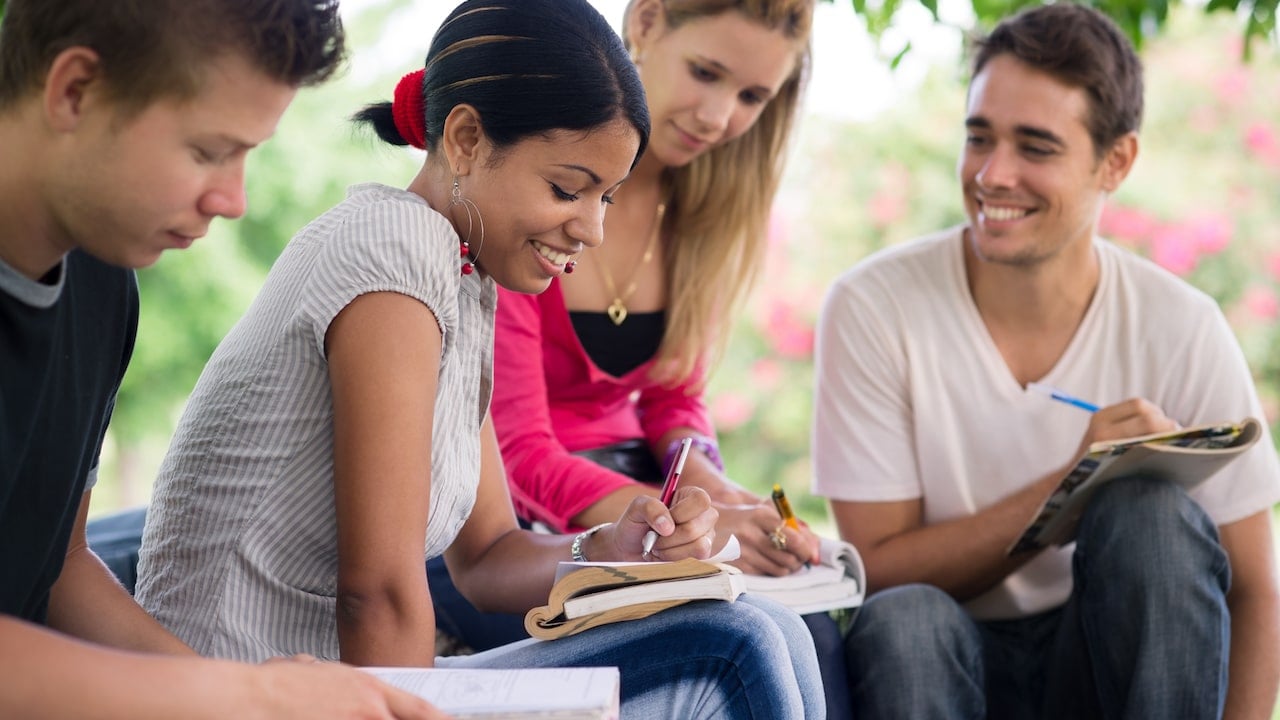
[(597, 379)]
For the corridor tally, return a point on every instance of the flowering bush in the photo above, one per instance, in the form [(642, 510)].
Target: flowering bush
[(1202, 202)]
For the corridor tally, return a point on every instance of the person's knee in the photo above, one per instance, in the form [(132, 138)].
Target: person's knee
[(1147, 530), (912, 623)]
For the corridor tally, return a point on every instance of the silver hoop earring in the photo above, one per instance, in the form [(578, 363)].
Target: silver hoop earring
[(468, 258)]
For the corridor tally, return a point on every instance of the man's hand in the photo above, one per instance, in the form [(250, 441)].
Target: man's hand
[(1126, 419)]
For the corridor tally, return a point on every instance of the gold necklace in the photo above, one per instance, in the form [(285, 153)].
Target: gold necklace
[(617, 310)]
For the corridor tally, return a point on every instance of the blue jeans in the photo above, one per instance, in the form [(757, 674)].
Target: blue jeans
[(748, 659), (1144, 634), (116, 539)]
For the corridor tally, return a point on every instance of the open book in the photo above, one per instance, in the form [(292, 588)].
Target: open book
[(587, 594), (586, 693), (592, 594), (837, 581), (1188, 457)]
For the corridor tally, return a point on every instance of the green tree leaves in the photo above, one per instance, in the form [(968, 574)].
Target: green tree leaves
[(1140, 19)]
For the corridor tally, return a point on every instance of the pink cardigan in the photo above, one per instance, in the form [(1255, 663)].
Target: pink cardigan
[(550, 400)]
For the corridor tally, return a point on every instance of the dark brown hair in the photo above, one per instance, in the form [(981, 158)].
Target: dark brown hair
[(159, 48), (1083, 48)]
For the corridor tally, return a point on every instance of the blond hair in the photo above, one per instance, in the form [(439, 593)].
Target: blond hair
[(718, 214)]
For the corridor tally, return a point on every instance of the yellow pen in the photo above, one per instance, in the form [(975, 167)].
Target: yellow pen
[(784, 507)]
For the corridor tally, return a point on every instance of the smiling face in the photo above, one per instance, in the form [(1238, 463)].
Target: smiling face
[(543, 201), (1033, 184), (127, 188), (707, 80)]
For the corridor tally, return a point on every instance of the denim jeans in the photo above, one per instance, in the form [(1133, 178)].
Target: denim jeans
[(1144, 634), (748, 659)]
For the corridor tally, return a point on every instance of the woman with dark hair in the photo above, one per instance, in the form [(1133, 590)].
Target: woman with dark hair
[(340, 433), (599, 379)]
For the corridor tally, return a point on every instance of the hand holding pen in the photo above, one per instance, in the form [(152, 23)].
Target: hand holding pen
[(1129, 418), (778, 536), (668, 491)]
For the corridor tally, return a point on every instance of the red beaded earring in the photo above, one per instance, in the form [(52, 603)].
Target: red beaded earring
[(569, 266), (464, 248)]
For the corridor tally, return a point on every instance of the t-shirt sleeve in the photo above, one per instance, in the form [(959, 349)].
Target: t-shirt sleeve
[(1211, 382), (130, 329), (862, 435), (390, 246)]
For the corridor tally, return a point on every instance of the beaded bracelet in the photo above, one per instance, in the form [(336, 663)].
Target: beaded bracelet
[(706, 445)]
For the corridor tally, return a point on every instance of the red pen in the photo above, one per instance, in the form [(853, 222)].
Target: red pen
[(669, 488)]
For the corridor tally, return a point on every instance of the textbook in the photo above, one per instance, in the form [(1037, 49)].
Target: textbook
[(586, 594), (838, 580), (586, 693), (605, 592), (1188, 457)]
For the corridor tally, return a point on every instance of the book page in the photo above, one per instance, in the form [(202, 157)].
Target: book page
[(838, 581), (523, 692), (730, 552), (724, 585)]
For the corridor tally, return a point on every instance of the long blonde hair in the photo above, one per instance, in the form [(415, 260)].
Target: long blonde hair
[(718, 214)]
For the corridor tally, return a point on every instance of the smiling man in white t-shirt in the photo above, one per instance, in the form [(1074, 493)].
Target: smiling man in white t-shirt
[(934, 454)]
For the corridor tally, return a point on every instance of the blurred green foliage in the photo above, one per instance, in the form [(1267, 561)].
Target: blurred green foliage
[(1140, 19)]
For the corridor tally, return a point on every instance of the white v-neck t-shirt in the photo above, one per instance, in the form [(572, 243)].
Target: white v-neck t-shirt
[(913, 399)]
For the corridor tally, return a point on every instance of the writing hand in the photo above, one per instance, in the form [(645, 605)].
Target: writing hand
[(686, 529), (1130, 418)]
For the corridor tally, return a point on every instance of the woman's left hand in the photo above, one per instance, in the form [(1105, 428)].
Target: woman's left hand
[(769, 547)]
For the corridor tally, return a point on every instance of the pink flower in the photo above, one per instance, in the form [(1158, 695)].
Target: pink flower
[(1210, 232), (1174, 249), (789, 334), (1273, 265), (766, 373), (730, 410), (1123, 223), (1233, 86), (1261, 302), (1262, 143)]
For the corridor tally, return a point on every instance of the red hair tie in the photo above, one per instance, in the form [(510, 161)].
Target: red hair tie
[(409, 111)]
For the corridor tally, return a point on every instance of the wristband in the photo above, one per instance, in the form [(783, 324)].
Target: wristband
[(575, 548), (707, 446)]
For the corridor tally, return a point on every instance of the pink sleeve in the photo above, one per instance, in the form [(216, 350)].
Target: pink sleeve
[(663, 409), (547, 482)]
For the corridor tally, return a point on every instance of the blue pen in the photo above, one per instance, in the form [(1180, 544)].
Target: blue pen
[(1062, 397)]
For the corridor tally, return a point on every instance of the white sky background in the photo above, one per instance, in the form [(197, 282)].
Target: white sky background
[(849, 81)]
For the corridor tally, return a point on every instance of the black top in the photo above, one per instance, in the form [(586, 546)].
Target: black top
[(64, 346), (619, 349)]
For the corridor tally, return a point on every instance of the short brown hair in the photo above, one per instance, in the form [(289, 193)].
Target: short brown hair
[(1083, 48), (160, 47)]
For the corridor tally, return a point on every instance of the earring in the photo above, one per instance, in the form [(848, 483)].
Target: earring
[(464, 248), (569, 266)]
